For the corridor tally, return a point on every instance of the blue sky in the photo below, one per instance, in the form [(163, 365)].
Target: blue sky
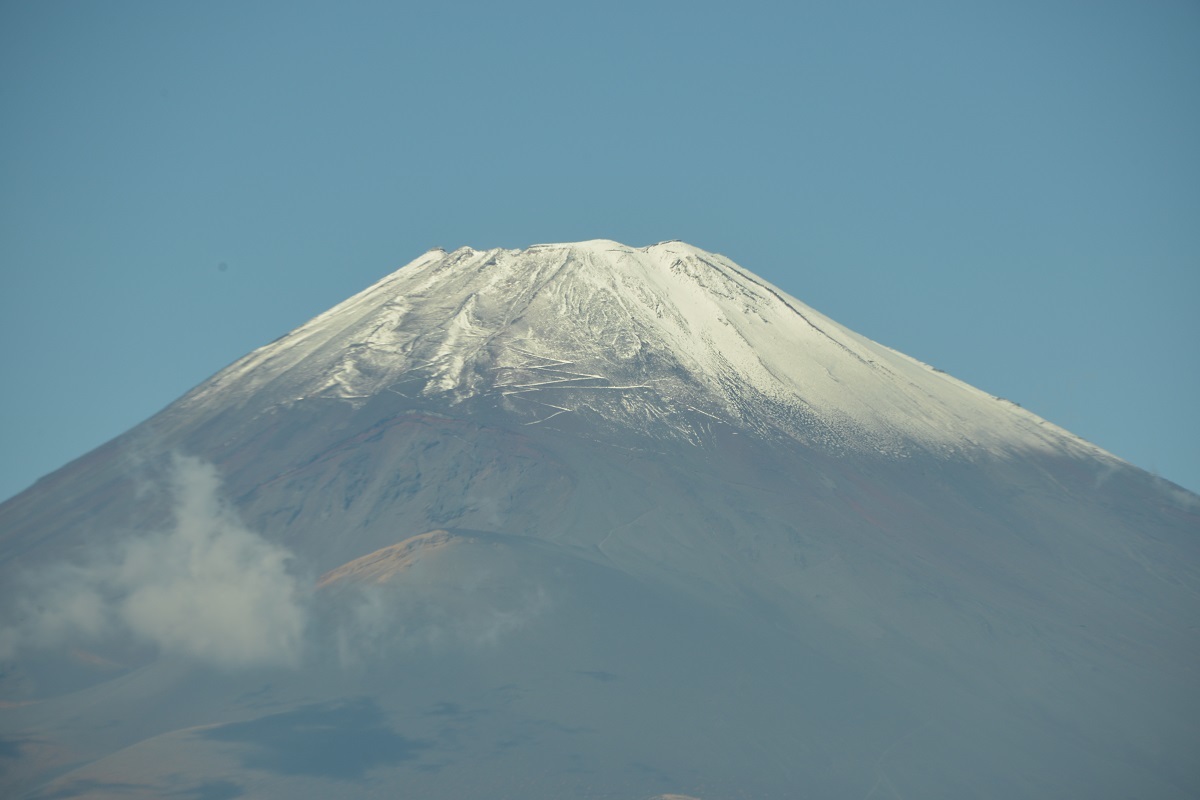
[(1008, 191)]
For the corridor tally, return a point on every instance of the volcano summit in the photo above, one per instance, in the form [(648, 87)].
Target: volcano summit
[(594, 521), (625, 339)]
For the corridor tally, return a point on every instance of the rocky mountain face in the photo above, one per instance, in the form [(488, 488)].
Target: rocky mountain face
[(595, 521)]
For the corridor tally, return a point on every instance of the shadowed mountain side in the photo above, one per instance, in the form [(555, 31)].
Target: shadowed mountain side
[(624, 690), (913, 581)]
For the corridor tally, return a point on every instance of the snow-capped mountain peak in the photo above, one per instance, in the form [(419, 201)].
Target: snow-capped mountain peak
[(668, 339)]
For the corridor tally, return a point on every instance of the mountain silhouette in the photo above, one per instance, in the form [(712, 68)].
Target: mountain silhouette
[(593, 521)]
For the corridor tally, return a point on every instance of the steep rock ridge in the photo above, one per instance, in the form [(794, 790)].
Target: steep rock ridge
[(387, 562)]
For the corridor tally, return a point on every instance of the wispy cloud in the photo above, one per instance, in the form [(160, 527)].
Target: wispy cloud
[(208, 588), (464, 606)]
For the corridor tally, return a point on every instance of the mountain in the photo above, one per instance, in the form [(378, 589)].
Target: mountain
[(587, 520)]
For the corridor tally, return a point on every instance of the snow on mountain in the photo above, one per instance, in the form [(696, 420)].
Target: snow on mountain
[(595, 521), (656, 338)]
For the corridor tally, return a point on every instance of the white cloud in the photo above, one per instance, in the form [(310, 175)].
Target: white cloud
[(208, 588), (463, 606)]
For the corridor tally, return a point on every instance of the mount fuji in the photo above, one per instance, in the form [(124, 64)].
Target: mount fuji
[(593, 521)]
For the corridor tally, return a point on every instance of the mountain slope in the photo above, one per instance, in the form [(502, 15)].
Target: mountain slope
[(644, 337), (596, 521)]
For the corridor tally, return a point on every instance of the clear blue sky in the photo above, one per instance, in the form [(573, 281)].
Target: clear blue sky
[(1009, 191)]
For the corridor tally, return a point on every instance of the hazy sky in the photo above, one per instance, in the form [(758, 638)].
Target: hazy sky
[(1009, 191)]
